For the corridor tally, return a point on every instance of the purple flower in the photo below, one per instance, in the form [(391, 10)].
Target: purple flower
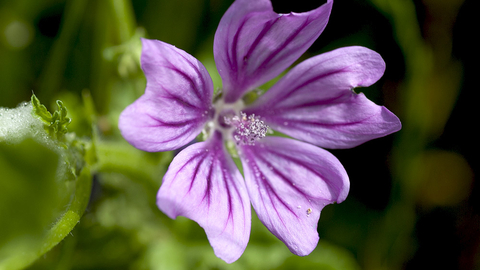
[(288, 181)]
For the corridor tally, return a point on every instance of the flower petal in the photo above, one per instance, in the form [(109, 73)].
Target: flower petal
[(176, 103), (203, 184), (253, 44), (289, 183), (315, 103)]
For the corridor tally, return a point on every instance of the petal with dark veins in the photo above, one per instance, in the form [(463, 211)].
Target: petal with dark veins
[(314, 102), (203, 184), (289, 182), (176, 103), (253, 44)]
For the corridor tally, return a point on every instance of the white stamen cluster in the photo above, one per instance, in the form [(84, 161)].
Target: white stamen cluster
[(247, 129)]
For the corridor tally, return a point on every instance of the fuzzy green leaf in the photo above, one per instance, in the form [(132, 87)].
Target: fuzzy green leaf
[(40, 110), (56, 123)]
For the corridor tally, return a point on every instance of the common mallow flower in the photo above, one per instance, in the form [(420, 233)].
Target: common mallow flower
[(287, 180)]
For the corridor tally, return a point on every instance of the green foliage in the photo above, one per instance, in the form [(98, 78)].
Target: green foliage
[(33, 203), (29, 197), (56, 123), (45, 186)]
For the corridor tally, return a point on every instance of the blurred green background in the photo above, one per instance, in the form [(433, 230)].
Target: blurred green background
[(413, 203)]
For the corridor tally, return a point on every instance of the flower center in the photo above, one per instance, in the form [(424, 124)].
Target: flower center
[(235, 125), (247, 129)]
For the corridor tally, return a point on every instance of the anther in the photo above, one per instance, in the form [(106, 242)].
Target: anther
[(248, 129)]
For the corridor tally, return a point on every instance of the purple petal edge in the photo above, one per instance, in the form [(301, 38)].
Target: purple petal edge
[(314, 102), (253, 44), (289, 182), (203, 184), (176, 103)]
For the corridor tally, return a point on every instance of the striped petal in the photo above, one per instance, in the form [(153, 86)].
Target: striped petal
[(253, 44), (315, 103), (289, 183), (176, 103), (203, 184)]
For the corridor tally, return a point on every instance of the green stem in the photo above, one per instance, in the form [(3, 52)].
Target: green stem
[(72, 216), (115, 19), (124, 19), (52, 73)]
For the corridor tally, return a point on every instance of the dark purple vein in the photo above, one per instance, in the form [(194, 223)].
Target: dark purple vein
[(197, 167), (310, 103), (299, 123), (208, 187), (190, 127), (185, 164), (232, 56), (189, 79), (270, 192), (287, 41), (199, 75), (266, 28), (172, 124), (286, 94), (283, 177), (308, 167), (226, 181)]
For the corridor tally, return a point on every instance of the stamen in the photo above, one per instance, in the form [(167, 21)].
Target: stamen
[(248, 129)]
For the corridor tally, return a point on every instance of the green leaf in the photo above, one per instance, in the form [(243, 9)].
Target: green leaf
[(30, 201), (40, 178), (41, 111), (29, 195), (56, 123)]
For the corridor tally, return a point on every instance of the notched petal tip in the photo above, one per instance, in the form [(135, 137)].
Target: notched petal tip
[(172, 72), (314, 102), (253, 44), (176, 103), (390, 119), (203, 184), (369, 65), (289, 183)]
